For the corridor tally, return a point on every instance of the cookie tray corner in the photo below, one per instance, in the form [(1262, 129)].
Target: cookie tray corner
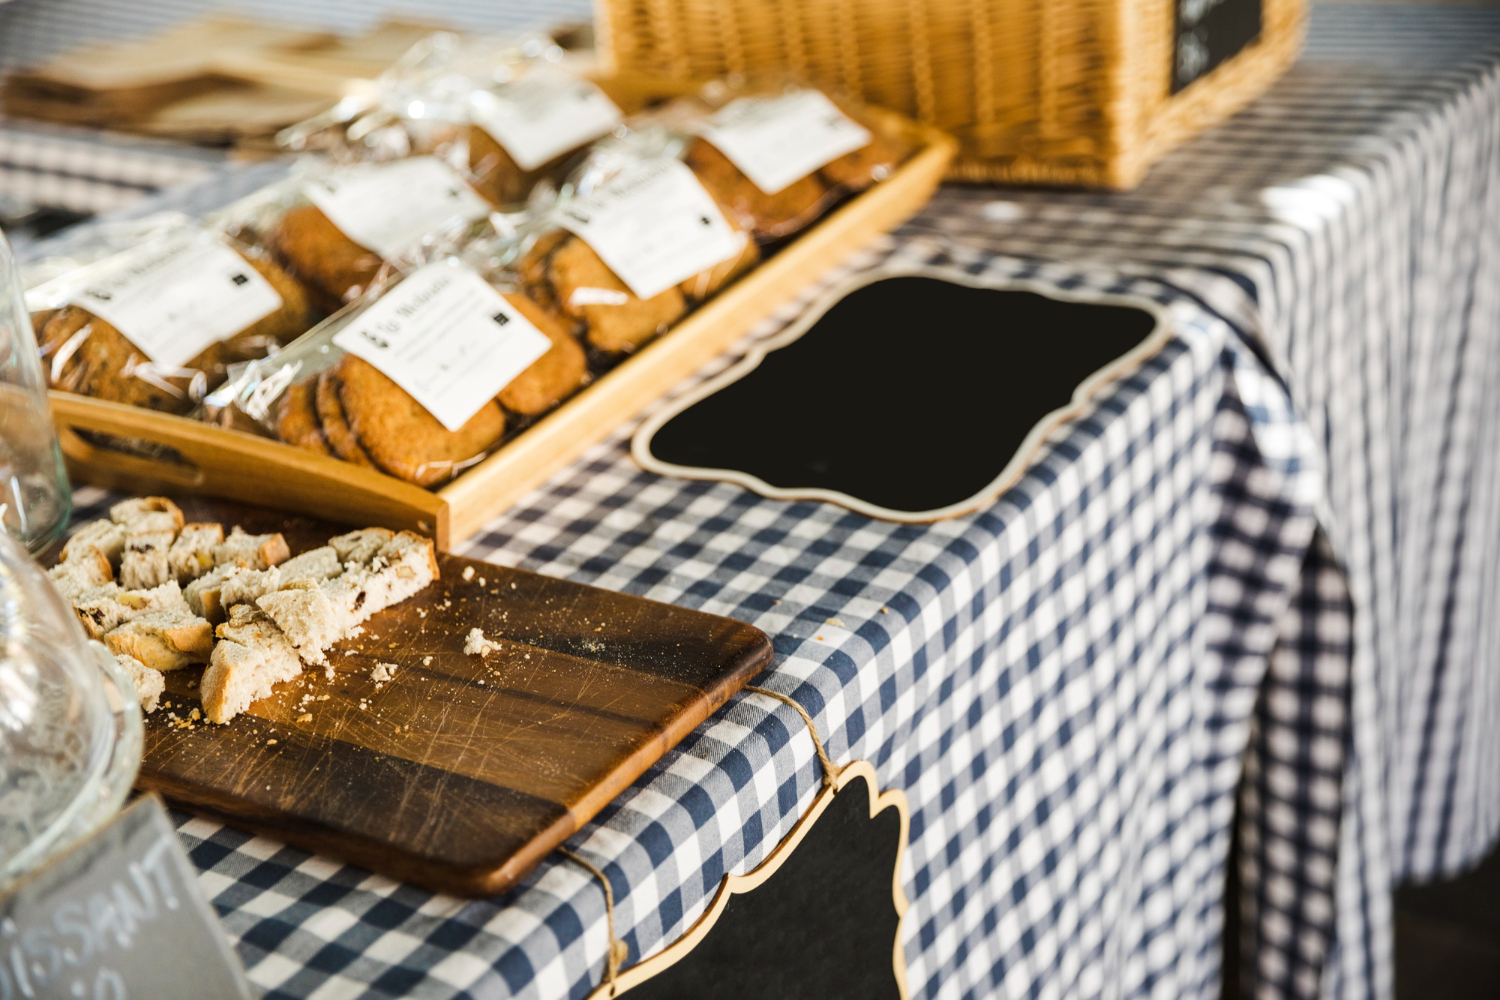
[(194, 457)]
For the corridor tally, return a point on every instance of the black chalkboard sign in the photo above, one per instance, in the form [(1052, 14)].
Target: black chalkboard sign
[(908, 396), (118, 917), (824, 924), (1209, 32)]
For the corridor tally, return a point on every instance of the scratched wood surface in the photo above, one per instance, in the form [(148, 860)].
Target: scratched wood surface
[(460, 773)]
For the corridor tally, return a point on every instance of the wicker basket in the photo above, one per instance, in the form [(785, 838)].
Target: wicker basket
[(1085, 92)]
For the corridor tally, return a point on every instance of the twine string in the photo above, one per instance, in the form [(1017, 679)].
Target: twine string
[(831, 770), (618, 950)]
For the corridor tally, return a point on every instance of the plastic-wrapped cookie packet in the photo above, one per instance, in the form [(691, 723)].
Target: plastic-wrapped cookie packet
[(158, 325), (420, 378), (70, 252), (524, 131), (777, 157), (337, 227), (632, 242), (418, 107), (508, 112)]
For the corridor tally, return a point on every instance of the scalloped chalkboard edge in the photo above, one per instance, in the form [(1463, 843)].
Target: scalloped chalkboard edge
[(733, 885), (1020, 462)]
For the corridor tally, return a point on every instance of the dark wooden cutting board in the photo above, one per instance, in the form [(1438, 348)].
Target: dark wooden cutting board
[(461, 773)]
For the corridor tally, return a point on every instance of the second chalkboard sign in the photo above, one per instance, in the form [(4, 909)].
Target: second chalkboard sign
[(117, 917), (1208, 32), (908, 395)]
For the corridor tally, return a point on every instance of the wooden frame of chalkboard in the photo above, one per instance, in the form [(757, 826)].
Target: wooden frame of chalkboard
[(733, 885), (1008, 476)]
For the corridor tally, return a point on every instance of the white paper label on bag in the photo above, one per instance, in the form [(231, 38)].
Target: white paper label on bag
[(775, 141), (389, 207), (541, 117), (654, 225), (447, 338), (175, 296)]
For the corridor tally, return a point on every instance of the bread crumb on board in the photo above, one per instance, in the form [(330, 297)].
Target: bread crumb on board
[(475, 644), (382, 673), (468, 573)]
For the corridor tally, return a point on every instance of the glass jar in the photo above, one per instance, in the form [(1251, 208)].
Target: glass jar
[(34, 496), (70, 726)]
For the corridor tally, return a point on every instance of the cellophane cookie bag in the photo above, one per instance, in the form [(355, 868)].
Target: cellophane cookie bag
[(336, 227), (421, 378), (777, 155), (417, 107), (160, 324), (509, 113), (630, 244)]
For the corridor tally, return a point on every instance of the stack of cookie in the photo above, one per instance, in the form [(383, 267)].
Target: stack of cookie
[(158, 592), (357, 413), (84, 353), (572, 282), (791, 209)]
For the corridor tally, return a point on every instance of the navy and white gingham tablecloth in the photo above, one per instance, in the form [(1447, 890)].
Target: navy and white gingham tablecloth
[(1260, 557)]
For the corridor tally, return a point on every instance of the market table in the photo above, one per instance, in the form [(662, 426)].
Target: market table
[(1259, 554)]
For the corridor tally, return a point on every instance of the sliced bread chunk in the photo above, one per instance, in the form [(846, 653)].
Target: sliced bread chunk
[(149, 684), (145, 515), (407, 563), (104, 609), (203, 593), (246, 586), (86, 569), (313, 565), (315, 618), (252, 656), (144, 564), (192, 553), (251, 551), (360, 546), (308, 617), (106, 536), (165, 639)]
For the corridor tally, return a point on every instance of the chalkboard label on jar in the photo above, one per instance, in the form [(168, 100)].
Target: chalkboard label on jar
[(117, 917), (1208, 32)]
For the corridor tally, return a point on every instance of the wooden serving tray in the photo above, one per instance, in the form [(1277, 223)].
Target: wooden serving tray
[(460, 773), (217, 462)]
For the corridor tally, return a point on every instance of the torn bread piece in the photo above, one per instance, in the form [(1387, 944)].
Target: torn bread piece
[(105, 536), (246, 586), (251, 551), (202, 594), (165, 639), (104, 609), (251, 657), (86, 569), (143, 564), (314, 565), (315, 618), (147, 515), (192, 553), (215, 593), (149, 684), (310, 618), (360, 546)]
